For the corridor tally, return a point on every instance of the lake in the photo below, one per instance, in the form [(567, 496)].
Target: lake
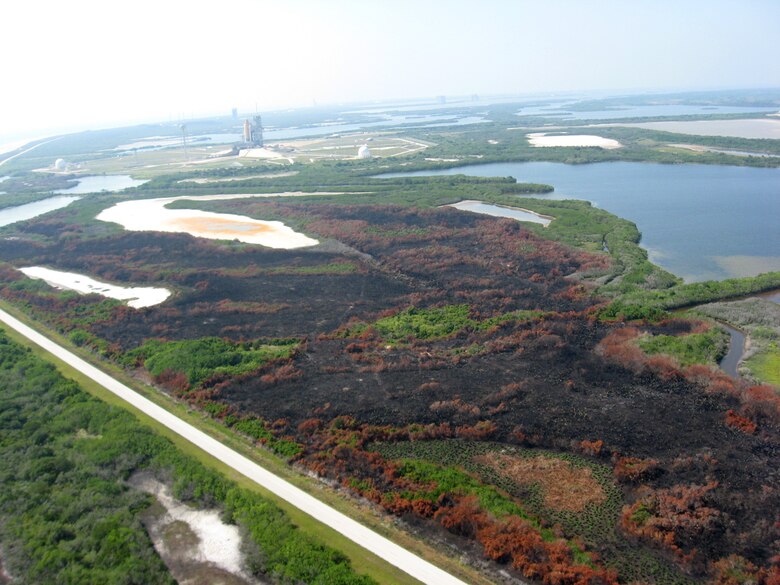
[(700, 222)]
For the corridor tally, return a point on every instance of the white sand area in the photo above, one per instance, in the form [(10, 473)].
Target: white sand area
[(218, 543), (144, 215), (541, 139), (137, 297)]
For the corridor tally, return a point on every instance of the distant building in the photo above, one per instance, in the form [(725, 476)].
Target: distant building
[(363, 152), (60, 164), (234, 111)]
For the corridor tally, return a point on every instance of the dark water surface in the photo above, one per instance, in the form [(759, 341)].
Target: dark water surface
[(698, 221)]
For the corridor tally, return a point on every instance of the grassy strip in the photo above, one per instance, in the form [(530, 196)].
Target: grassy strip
[(696, 348), (366, 562), (766, 365), (436, 323)]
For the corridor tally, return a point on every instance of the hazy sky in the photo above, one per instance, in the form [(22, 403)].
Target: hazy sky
[(92, 63)]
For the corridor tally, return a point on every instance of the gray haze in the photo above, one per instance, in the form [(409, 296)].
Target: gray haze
[(85, 63)]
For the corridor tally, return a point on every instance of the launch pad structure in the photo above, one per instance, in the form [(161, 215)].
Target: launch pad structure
[(253, 132)]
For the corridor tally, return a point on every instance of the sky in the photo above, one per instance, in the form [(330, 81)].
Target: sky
[(81, 64)]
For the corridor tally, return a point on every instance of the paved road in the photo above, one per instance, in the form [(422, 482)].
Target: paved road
[(2, 162), (370, 540)]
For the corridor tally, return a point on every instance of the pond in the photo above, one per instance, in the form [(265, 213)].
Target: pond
[(154, 215), (136, 297), (700, 222), (517, 213), (98, 183)]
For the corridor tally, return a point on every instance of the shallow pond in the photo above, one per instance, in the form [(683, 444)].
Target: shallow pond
[(136, 297), (501, 211), (154, 215)]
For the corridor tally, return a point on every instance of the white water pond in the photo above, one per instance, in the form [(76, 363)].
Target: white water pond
[(517, 213), (153, 215), (137, 297)]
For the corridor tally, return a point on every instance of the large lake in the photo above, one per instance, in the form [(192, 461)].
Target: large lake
[(698, 221)]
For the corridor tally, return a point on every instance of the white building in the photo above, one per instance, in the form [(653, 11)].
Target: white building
[(363, 152)]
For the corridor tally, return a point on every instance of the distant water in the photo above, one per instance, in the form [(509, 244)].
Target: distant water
[(698, 221), (11, 215), (388, 122), (559, 110), (97, 183)]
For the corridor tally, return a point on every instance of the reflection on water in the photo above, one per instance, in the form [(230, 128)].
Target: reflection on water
[(11, 215), (730, 361), (97, 183)]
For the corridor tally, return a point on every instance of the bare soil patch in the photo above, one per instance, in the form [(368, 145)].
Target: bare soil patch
[(564, 486)]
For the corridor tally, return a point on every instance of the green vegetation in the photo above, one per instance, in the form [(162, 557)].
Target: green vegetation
[(760, 319), (424, 323), (695, 348), (200, 359), (332, 268), (455, 464), (436, 323), (452, 480), (443, 480), (67, 515), (765, 366), (651, 304), (257, 429)]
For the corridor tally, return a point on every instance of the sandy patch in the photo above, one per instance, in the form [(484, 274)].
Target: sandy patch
[(193, 543), (541, 139), (152, 215), (742, 266), (136, 297), (564, 487)]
